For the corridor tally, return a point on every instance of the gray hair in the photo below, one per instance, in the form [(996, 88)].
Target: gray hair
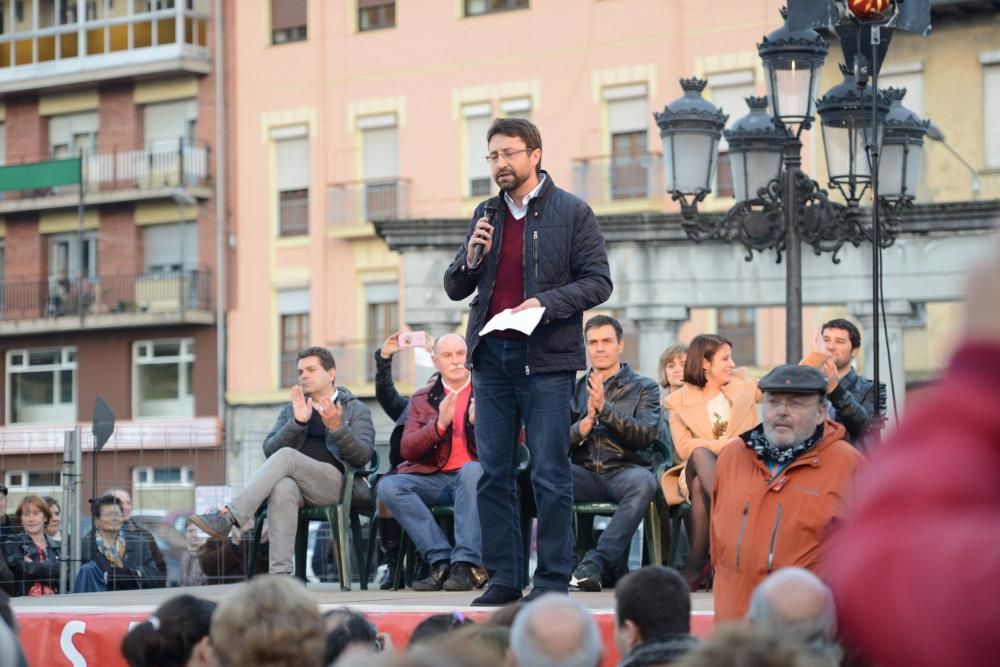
[(534, 637), (794, 603)]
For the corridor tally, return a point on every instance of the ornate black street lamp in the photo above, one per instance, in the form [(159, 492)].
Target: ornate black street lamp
[(777, 205)]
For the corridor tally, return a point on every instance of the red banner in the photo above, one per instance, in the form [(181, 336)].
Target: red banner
[(58, 639)]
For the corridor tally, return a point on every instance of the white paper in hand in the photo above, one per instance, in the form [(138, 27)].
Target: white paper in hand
[(524, 321)]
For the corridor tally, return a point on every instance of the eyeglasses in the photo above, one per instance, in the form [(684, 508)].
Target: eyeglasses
[(506, 155)]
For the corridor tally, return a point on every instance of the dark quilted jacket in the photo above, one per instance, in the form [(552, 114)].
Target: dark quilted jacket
[(565, 268)]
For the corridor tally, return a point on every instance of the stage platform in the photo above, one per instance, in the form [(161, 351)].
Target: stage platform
[(87, 629)]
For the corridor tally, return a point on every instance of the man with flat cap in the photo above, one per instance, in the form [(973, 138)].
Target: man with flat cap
[(778, 488)]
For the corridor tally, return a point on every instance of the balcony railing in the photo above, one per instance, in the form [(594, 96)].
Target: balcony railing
[(365, 201), (608, 178), (154, 167), (164, 292), (42, 39)]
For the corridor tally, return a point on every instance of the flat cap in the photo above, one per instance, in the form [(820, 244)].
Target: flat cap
[(791, 379)]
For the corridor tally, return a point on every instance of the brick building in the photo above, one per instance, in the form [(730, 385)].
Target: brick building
[(115, 298)]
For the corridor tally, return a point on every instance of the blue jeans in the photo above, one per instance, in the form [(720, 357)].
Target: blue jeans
[(506, 397), (408, 497), (632, 488)]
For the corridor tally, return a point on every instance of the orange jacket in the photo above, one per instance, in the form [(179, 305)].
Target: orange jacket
[(760, 524)]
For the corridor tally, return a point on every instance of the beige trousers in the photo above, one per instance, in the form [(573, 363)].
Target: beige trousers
[(288, 480)]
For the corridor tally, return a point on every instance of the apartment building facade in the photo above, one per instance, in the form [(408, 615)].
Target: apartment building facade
[(109, 285), (363, 114)]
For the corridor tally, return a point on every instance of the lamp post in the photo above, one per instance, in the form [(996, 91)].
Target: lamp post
[(779, 206)]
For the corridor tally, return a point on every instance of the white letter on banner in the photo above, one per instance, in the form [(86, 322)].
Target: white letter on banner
[(66, 642)]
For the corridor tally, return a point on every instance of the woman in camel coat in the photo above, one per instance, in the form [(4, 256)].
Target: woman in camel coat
[(717, 403)]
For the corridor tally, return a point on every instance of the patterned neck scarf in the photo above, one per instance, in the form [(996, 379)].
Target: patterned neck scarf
[(115, 552), (781, 456)]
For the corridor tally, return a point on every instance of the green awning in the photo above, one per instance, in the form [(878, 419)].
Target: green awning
[(40, 174)]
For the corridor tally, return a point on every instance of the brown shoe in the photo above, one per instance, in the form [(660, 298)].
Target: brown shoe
[(479, 576)]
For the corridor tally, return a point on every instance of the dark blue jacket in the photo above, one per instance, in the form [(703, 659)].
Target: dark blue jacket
[(565, 268)]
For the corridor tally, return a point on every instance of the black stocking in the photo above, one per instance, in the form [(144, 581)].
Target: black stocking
[(700, 475)]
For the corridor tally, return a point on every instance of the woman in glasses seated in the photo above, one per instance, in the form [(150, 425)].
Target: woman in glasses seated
[(114, 559), (33, 558)]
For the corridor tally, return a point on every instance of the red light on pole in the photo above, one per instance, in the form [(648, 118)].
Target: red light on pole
[(867, 10)]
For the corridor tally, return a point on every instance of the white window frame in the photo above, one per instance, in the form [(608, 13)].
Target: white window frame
[(142, 355), (26, 488), (67, 361), (142, 477)]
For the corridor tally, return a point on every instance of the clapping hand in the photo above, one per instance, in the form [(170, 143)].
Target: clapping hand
[(595, 388), (446, 411), (331, 412), (302, 406)]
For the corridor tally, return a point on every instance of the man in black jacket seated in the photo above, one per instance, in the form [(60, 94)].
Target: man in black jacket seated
[(615, 417)]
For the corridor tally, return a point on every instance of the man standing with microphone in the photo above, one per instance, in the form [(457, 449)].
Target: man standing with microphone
[(538, 246)]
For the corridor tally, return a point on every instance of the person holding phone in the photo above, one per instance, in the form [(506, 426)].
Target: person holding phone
[(322, 428)]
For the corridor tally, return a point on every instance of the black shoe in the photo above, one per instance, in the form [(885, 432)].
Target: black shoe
[(435, 580), (587, 577), (539, 592), (460, 578), (497, 596)]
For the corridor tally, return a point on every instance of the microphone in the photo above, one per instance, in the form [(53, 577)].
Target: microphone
[(488, 211)]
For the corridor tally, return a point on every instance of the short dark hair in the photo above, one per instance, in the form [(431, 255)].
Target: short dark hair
[(353, 627), (180, 623), (104, 501), (323, 354), (846, 325), (604, 321), (436, 626), (702, 348), (657, 600), (521, 128)]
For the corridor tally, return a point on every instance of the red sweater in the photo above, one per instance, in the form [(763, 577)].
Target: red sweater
[(508, 287), (915, 569)]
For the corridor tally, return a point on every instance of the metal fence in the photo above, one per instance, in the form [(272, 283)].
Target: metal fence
[(604, 179), (365, 201), (150, 292)]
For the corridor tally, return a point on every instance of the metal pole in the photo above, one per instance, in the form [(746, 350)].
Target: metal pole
[(79, 240), (221, 239), (793, 250)]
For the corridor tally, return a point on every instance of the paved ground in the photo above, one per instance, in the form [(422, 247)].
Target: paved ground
[(327, 595)]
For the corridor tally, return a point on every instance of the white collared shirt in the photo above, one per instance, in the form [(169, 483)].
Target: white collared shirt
[(520, 211)]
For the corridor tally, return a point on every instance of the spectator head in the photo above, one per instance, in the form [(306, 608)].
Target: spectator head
[(449, 358), (603, 336), (173, 634), (554, 631), (124, 500), (316, 369), (492, 638), (794, 404), (272, 621), (709, 358), (436, 626), (506, 614), (795, 604), (55, 521), (670, 370), (740, 645), (651, 604), (348, 631), (841, 339), (32, 514), (108, 514), (522, 129)]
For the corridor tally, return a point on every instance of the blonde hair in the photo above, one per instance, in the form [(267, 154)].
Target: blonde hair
[(272, 621)]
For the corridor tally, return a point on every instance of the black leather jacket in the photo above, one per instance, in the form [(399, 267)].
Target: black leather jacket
[(853, 401), (393, 404), (624, 430), (22, 558), (565, 268)]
